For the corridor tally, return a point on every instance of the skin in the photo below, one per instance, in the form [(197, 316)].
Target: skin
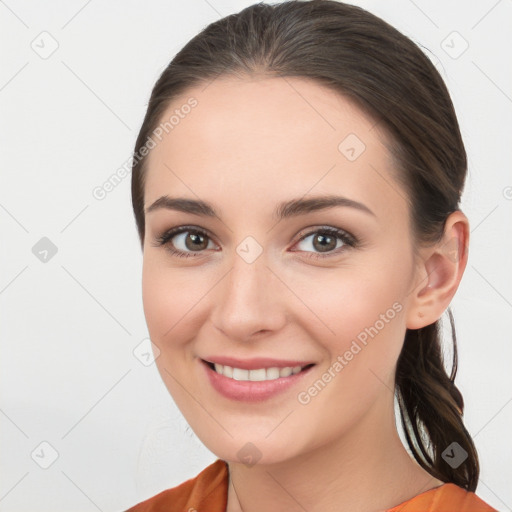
[(248, 145)]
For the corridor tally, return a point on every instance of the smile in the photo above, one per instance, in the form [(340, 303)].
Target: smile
[(257, 375), (256, 384)]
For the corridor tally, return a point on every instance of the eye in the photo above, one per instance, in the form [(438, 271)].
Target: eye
[(189, 241), (184, 241), (325, 242)]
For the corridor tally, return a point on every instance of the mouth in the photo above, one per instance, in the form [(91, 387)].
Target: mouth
[(257, 374), (256, 384)]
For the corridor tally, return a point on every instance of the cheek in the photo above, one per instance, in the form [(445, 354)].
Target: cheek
[(359, 322), (157, 297), (172, 306), (365, 311), (346, 303), (170, 299)]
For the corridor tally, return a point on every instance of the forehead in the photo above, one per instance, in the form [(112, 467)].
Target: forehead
[(262, 140)]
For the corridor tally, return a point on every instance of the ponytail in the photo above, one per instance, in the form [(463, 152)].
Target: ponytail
[(431, 408)]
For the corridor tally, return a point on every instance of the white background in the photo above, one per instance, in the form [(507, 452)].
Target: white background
[(69, 326)]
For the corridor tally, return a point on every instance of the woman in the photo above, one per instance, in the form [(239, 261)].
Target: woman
[(296, 188)]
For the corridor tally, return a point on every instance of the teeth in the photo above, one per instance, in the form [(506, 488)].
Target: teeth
[(256, 375), (239, 374), (286, 372)]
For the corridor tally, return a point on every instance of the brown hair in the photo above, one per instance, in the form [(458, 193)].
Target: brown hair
[(362, 57)]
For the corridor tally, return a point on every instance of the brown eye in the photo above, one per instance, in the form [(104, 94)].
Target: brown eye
[(325, 242), (185, 241), (196, 241), (320, 242)]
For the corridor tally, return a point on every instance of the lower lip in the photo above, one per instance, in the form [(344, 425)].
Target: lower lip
[(249, 391)]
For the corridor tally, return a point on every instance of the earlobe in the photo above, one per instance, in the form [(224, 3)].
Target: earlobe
[(439, 273)]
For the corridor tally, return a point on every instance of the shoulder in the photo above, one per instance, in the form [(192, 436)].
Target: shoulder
[(206, 491), (445, 498)]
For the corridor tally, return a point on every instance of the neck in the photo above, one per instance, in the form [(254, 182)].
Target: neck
[(367, 469)]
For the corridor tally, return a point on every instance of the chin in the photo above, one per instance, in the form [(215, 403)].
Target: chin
[(251, 450)]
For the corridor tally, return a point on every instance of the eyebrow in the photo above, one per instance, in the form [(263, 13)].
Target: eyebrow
[(287, 209)]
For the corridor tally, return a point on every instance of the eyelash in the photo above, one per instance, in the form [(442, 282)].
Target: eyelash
[(166, 237)]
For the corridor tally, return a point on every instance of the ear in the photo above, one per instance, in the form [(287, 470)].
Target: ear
[(439, 271)]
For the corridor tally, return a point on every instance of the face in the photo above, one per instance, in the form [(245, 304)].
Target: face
[(266, 290)]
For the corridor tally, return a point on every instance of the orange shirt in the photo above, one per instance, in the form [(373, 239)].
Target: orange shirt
[(208, 492)]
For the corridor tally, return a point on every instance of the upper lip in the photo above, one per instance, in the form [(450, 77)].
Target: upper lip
[(256, 362)]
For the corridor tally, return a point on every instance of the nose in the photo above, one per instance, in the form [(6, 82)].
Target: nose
[(249, 302)]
